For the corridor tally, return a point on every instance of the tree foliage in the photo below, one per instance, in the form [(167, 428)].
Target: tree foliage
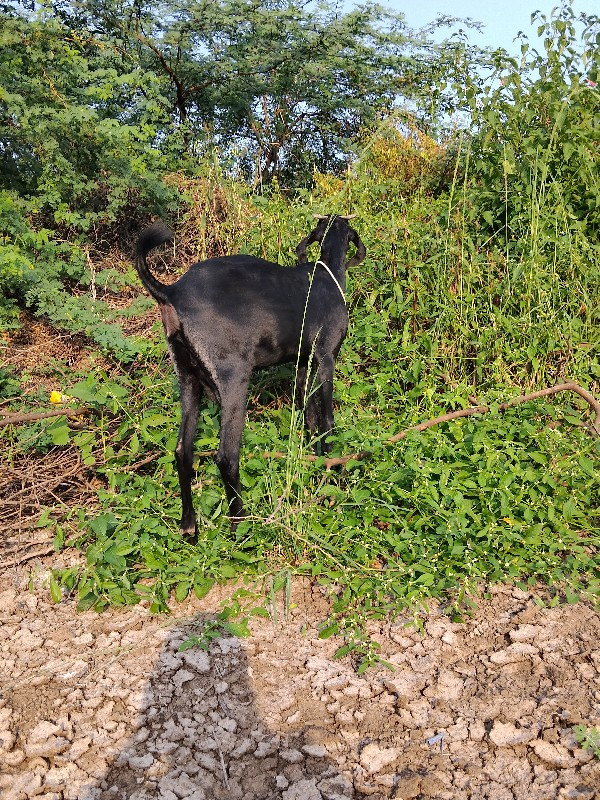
[(280, 87), (80, 123)]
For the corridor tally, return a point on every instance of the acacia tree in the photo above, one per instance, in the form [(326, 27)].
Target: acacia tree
[(81, 125), (280, 87)]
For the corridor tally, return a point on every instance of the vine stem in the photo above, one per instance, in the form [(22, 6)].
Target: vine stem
[(17, 419), (328, 463)]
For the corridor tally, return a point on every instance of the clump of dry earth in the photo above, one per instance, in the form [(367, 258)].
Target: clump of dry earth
[(95, 707)]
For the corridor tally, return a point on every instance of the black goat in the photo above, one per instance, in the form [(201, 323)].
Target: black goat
[(227, 316)]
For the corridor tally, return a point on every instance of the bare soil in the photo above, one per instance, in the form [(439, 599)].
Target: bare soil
[(95, 707), (105, 707)]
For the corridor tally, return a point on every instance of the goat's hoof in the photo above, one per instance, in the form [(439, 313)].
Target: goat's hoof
[(235, 521), (190, 534)]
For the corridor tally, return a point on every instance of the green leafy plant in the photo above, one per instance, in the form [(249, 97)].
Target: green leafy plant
[(536, 150), (588, 738), (232, 620)]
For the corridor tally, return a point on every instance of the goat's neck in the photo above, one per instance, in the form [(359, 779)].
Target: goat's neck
[(337, 265)]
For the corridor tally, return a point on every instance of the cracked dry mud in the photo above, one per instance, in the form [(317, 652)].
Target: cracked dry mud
[(95, 707)]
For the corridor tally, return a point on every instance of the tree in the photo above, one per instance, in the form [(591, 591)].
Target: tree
[(279, 87), (84, 144), (80, 122)]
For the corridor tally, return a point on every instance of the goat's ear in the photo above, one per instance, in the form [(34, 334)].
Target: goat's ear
[(361, 250), (320, 216), (348, 216), (301, 249)]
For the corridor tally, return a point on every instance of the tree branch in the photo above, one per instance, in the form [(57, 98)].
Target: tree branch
[(179, 88), (524, 398)]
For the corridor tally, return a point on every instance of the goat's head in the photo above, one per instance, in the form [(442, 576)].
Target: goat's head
[(333, 232)]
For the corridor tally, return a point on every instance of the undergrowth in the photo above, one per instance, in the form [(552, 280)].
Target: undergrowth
[(506, 496), (480, 283), (509, 496)]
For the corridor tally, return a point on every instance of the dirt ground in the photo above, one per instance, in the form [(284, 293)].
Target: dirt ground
[(103, 707)]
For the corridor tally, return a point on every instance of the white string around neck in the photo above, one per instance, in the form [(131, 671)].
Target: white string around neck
[(334, 279)]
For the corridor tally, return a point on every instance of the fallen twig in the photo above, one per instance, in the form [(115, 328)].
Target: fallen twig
[(29, 484), (466, 412), (17, 419), (22, 559), (142, 462), (524, 398)]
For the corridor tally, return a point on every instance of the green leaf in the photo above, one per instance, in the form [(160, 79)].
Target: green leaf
[(182, 590), (427, 579), (539, 458), (202, 587), (55, 590), (239, 629), (59, 431), (88, 601), (227, 571), (568, 150), (59, 538), (192, 641), (572, 597), (588, 466), (101, 524), (329, 630), (364, 666)]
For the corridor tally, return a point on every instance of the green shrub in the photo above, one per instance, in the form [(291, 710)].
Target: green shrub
[(534, 157)]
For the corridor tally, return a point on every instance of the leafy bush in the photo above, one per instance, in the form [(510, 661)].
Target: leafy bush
[(34, 272), (535, 155), (409, 158)]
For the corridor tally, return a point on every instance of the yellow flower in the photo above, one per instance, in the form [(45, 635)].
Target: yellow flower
[(59, 397)]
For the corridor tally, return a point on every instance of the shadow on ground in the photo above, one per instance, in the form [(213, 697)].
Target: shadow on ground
[(200, 736)]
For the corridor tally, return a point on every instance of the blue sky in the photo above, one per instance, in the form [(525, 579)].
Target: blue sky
[(502, 20)]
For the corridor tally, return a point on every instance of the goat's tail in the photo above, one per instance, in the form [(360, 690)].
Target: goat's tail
[(152, 237)]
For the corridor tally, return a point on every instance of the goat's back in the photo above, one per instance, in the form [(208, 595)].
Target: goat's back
[(241, 307)]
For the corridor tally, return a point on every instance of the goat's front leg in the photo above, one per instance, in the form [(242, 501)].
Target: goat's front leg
[(308, 398), (184, 453), (326, 425), (233, 414)]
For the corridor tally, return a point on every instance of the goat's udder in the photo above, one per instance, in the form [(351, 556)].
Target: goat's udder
[(170, 320)]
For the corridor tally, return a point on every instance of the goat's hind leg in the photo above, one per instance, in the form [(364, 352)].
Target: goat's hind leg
[(184, 453), (307, 398), (233, 415)]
